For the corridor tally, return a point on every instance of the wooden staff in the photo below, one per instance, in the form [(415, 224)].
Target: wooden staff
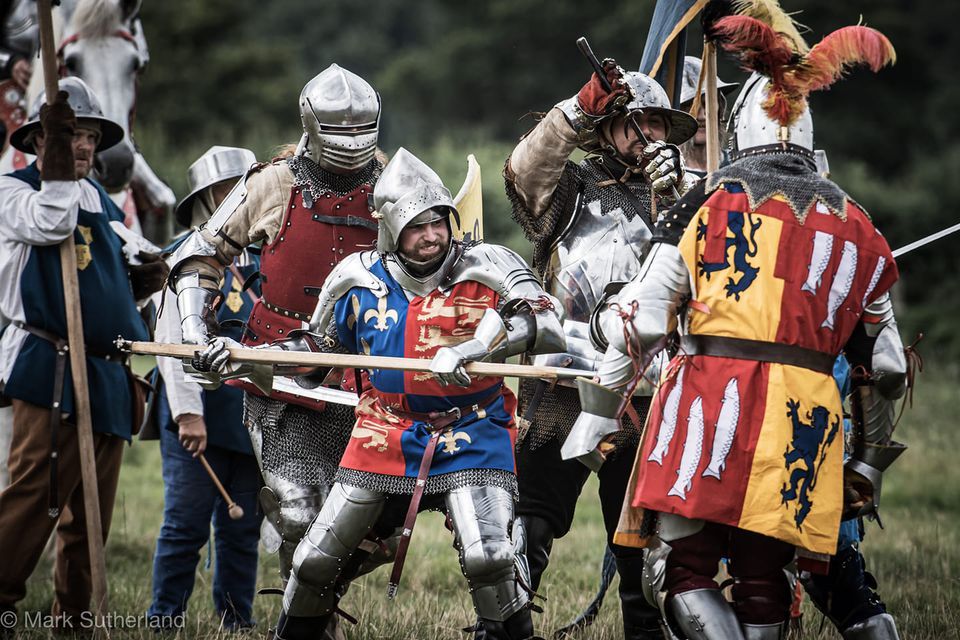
[(713, 107), (349, 361), (235, 510), (78, 363)]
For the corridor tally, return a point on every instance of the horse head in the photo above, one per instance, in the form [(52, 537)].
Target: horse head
[(103, 44)]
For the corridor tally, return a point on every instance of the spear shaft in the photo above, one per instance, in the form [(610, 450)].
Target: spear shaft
[(349, 360)]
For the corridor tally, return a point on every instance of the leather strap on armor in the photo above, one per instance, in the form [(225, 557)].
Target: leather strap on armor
[(438, 423), (346, 221), (59, 373), (411, 518), (440, 420), (634, 201), (290, 313), (794, 356)]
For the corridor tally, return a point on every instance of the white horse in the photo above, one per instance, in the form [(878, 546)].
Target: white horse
[(102, 42)]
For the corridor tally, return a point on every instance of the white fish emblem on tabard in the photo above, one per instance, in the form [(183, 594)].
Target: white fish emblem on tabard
[(725, 431), (874, 279), (842, 282), (668, 424), (822, 247), (692, 450)]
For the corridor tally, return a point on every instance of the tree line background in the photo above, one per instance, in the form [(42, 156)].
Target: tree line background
[(459, 78)]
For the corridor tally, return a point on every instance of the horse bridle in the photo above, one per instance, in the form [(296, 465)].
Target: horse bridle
[(124, 34)]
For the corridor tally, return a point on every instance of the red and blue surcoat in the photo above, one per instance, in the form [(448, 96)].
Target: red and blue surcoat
[(386, 440)]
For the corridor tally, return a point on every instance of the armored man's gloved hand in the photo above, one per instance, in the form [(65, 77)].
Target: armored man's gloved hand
[(488, 343), (215, 359), (148, 277), (213, 366), (595, 101), (59, 125), (516, 329), (664, 167)]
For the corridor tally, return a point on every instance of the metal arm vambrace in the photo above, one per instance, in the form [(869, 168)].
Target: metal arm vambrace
[(874, 449), (198, 318), (516, 329), (659, 290)]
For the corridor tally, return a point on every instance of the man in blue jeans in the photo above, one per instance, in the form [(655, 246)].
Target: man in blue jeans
[(194, 421)]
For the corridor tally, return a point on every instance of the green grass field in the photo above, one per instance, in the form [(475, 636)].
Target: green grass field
[(916, 558)]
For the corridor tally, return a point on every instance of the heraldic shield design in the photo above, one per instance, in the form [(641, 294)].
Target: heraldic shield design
[(387, 441), (748, 443)]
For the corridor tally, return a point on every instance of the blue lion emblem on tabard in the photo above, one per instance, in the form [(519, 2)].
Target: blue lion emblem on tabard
[(809, 449), (743, 248)]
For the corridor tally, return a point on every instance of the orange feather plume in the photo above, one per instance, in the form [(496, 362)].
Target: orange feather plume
[(795, 73), (840, 51)]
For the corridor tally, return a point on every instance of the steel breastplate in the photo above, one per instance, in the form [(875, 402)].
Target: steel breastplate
[(596, 248)]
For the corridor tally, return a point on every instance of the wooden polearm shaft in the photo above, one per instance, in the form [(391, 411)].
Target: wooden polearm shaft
[(713, 107), (78, 360), (345, 360)]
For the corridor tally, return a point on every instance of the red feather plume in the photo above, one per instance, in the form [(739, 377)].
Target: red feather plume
[(793, 75), (755, 43)]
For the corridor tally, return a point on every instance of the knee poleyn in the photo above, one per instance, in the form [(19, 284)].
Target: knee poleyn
[(316, 567), (486, 562)]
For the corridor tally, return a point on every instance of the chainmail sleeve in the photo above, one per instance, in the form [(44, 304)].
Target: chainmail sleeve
[(542, 230), (541, 182)]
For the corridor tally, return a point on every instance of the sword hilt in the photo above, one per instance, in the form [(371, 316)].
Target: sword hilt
[(587, 52), (591, 57)]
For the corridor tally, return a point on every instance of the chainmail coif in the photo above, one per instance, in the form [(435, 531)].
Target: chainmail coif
[(788, 174), (309, 175)]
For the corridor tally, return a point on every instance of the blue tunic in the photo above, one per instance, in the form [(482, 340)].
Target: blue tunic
[(107, 308)]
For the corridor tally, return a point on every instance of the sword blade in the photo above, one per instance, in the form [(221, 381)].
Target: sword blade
[(326, 394), (907, 248)]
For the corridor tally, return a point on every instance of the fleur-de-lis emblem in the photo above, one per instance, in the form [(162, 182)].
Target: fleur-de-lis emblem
[(234, 300), (449, 441), (381, 315), (352, 318)]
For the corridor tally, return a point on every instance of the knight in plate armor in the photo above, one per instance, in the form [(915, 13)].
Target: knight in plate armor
[(776, 271), (443, 437), (590, 224), (310, 211)]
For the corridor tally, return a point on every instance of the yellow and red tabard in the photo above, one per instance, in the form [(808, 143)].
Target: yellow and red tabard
[(759, 445)]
